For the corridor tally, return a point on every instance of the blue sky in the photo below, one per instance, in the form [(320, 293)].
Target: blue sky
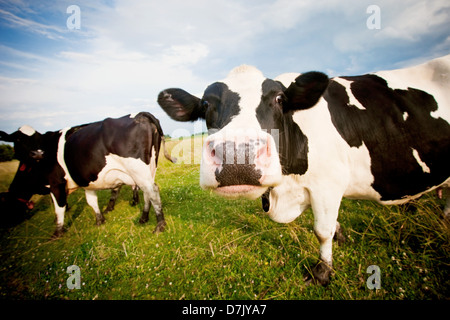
[(126, 52)]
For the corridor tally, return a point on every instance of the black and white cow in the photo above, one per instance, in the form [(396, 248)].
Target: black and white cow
[(308, 141), (95, 156)]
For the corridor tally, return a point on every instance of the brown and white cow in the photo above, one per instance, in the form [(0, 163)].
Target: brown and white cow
[(306, 140)]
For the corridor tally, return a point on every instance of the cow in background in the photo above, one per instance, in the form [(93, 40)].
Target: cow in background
[(95, 156)]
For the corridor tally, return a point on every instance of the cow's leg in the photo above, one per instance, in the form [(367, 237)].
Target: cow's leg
[(338, 235), (59, 201), (447, 204), (92, 200), (112, 200), (151, 196), (135, 196), (325, 223), (160, 221), (147, 205)]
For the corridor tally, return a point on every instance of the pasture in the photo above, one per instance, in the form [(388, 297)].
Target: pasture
[(215, 248)]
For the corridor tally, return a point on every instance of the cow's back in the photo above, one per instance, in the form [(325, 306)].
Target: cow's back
[(405, 128), (86, 148), (432, 77)]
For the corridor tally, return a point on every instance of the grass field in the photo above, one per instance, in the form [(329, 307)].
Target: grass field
[(7, 172), (220, 249)]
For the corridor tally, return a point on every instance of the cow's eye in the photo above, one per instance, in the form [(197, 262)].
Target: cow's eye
[(279, 99), (205, 104)]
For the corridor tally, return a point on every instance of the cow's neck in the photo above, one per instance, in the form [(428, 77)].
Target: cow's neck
[(293, 147)]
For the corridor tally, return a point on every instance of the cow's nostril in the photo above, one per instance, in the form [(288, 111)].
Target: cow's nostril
[(211, 150), (213, 153)]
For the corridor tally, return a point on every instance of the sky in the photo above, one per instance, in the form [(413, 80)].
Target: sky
[(60, 67)]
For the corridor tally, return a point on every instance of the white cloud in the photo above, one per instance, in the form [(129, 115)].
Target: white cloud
[(178, 55), (415, 20), (402, 22)]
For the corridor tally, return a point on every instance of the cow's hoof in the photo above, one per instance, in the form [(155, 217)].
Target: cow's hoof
[(160, 227), (143, 220), (320, 274), (57, 234), (100, 221), (339, 237)]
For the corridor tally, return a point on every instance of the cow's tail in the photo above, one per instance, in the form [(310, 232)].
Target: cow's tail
[(155, 121), (166, 154)]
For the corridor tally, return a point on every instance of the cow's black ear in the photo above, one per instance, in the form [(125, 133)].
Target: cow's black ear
[(305, 91), (181, 105), (6, 137)]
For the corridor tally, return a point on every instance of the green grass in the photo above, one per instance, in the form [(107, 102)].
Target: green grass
[(215, 248), (7, 171)]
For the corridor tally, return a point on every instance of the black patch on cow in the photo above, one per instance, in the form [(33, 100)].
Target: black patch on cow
[(265, 200), (29, 180), (12, 210), (75, 129), (221, 105), (87, 146), (293, 144), (390, 138)]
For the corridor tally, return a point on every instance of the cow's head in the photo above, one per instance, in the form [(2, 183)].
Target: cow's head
[(29, 178), (253, 138), (27, 144)]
